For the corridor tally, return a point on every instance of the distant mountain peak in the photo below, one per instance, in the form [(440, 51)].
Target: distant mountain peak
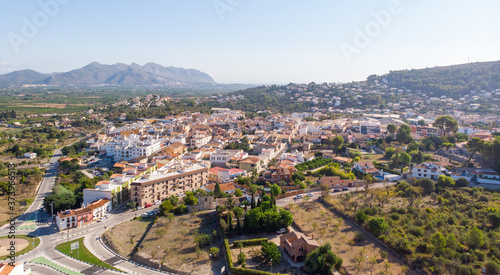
[(119, 74)]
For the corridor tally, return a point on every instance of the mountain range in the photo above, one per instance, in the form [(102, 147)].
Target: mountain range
[(96, 74)]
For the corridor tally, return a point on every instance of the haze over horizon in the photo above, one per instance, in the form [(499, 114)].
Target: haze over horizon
[(254, 42)]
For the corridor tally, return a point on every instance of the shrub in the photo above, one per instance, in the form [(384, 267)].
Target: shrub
[(377, 226), (214, 251), (359, 237), (322, 260), (361, 217), (181, 209), (242, 258), (395, 216), (271, 252)]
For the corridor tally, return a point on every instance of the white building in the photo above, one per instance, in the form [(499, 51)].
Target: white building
[(431, 170), (131, 147), (199, 140), (30, 155), (221, 157), (467, 130), (117, 188)]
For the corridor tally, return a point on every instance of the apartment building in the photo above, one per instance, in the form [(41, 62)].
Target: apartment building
[(127, 148), (169, 180)]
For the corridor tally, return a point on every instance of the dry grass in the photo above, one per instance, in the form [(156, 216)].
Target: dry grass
[(375, 157), (317, 221), (170, 242)]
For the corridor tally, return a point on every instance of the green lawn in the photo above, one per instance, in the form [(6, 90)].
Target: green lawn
[(84, 254), (42, 260), (26, 249)]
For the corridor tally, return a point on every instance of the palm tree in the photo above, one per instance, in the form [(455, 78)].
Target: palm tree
[(253, 190)]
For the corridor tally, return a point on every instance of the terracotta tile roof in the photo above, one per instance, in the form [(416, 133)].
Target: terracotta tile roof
[(98, 203), (6, 269)]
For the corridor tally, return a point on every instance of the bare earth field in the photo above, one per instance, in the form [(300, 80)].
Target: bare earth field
[(317, 221), (5, 244), (170, 243), (44, 105)]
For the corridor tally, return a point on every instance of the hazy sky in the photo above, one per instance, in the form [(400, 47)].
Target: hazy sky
[(250, 41)]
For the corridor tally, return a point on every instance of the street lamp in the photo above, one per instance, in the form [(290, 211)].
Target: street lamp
[(271, 265), (466, 254)]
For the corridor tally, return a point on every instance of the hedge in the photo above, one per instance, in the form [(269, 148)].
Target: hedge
[(251, 242), (246, 271), (228, 253)]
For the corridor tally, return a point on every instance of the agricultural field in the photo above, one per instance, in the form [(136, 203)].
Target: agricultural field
[(171, 241), (359, 254)]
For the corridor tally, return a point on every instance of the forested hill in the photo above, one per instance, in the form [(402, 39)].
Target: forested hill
[(451, 81), (267, 98)]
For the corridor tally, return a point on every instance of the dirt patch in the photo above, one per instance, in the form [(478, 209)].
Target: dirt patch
[(318, 222), (170, 243), (20, 244)]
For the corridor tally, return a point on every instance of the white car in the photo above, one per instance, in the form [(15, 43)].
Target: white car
[(281, 231)]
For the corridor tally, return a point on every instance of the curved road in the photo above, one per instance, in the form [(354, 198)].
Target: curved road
[(50, 237)]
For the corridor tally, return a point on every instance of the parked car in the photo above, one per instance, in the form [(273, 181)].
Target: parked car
[(101, 219), (298, 197), (345, 189), (157, 202), (337, 190), (107, 215), (140, 207), (148, 205), (309, 194), (281, 231)]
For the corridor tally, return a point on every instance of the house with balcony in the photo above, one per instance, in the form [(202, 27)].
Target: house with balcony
[(367, 167), (297, 245), (430, 170)]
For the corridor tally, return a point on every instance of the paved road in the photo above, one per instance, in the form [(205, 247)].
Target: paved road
[(286, 201)]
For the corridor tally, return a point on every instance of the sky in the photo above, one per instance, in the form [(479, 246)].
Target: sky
[(250, 41)]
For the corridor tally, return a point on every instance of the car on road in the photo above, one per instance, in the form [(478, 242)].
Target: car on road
[(140, 207), (148, 205), (337, 190), (298, 197), (107, 215), (345, 189), (101, 219), (309, 194)]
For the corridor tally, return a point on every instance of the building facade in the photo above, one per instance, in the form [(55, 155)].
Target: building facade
[(168, 182)]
